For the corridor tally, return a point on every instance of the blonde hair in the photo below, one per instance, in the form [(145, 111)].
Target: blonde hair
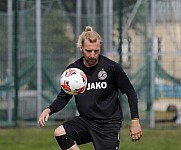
[(88, 34)]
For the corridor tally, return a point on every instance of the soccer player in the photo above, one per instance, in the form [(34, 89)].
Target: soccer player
[(100, 112)]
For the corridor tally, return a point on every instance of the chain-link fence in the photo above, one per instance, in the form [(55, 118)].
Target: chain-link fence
[(44, 35)]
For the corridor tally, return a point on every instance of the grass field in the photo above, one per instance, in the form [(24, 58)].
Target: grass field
[(42, 139)]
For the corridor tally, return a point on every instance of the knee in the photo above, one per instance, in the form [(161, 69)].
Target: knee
[(59, 131), (65, 141)]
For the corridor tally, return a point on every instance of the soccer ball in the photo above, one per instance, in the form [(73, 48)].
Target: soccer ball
[(73, 81)]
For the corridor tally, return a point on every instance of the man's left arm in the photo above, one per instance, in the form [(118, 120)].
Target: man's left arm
[(135, 127), (135, 130)]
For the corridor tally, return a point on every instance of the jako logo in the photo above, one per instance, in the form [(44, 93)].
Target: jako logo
[(96, 85)]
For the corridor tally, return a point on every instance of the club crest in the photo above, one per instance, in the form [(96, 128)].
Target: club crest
[(102, 75)]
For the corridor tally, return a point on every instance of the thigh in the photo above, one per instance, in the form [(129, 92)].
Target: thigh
[(78, 129), (106, 136)]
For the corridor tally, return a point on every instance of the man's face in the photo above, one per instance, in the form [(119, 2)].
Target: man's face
[(91, 52)]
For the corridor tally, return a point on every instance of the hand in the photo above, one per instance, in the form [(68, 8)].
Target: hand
[(44, 117), (135, 130)]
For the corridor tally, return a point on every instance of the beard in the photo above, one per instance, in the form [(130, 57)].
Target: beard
[(90, 61)]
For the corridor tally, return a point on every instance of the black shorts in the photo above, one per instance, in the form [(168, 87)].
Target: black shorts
[(104, 135)]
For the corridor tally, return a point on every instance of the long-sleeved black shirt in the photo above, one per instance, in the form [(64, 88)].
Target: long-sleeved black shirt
[(100, 99)]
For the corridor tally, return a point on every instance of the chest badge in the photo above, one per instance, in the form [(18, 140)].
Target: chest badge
[(102, 75)]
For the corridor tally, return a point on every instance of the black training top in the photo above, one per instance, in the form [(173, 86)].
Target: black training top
[(100, 99)]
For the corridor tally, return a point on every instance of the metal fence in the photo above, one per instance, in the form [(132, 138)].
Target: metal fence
[(43, 34)]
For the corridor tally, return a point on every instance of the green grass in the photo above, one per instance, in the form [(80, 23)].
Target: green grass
[(42, 139)]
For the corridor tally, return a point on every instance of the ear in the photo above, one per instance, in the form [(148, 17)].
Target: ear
[(81, 48)]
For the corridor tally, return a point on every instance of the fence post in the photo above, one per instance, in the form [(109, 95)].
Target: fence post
[(121, 4), (15, 60), (152, 79), (39, 57)]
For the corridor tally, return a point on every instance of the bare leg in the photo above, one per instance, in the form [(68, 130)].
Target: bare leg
[(74, 147)]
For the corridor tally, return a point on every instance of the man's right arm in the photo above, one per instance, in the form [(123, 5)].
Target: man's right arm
[(60, 102), (44, 117)]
